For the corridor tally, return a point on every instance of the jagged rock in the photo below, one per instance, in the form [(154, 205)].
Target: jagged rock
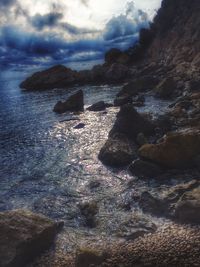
[(115, 55), (73, 103), (166, 88), (23, 236), (130, 123), (98, 73), (118, 151), (117, 73), (141, 84), (99, 106), (145, 169), (177, 150), (55, 77)]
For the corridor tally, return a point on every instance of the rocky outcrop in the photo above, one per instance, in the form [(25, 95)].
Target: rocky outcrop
[(145, 169), (23, 236), (73, 103), (138, 85), (130, 123), (55, 77), (187, 209), (165, 88), (177, 150), (118, 151)]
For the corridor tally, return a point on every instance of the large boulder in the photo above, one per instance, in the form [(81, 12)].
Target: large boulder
[(187, 209), (138, 85), (118, 151), (56, 77), (23, 236), (130, 123), (73, 103), (177, 150)]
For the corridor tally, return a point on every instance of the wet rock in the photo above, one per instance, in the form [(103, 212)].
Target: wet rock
[(86, 257), (56, 77), (177, 150), (80, 126), (138, 85), (187, 209), (89, 211), (145, 169), (152, 204), (130, 123), (134, 227), (99, 106), (73, 103), (93, 185), (118, 151), (120, 101), (165, 88), (23, 236)]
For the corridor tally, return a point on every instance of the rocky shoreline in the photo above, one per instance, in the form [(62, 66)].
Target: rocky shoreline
[(154, 149)]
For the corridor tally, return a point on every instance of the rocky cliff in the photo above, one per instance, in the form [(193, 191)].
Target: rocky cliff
[(176, 36)]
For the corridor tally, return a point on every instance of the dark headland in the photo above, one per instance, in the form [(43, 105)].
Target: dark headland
[(166, 64)]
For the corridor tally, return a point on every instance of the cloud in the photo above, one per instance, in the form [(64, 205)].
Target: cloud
[(52, 40), (48, 20), (85, 2), (7, 3)]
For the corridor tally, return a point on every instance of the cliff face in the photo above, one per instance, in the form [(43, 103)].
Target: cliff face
[(176, 39)]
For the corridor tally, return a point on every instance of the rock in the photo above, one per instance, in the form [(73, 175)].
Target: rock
[(122, 100), (145, 169), (98, 73), (118, 151), (80, 126), (86, 257), (56, 77), (141, 139), (152, 204), (73, 103), (187, 209), (177, 150), (89, 210), (115, 55), (130, 123), (23, 236), (117, 73), (138, 85), (165, 88), (99, 106)]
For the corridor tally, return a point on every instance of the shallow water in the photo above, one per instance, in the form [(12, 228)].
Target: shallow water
[(47, 165)]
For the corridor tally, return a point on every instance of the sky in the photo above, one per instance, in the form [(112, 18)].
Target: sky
[(60, 31)]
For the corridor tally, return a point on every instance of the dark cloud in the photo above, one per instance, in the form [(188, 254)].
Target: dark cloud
[(48, 20), (7, 3), (20, 46)]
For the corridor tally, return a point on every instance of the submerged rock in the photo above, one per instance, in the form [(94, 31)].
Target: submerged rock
[(86, 257), (89, 211), (177, 150), (56, 77), (23, 236), (118, 151), (73, 103), (187, 209), (99, 106)]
